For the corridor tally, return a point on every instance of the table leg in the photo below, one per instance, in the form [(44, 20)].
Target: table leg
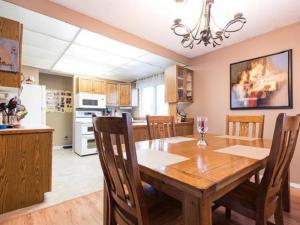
[(286, 195), (197, 211)]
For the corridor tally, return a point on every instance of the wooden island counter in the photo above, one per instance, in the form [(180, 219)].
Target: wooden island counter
[(140, 130), (25, 166)]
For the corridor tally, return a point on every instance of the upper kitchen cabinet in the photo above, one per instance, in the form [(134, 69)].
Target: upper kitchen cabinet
[(84, 85), (179, 84), (10, 52), (125, 94), (99, 87), (91, 86), (112, 93)]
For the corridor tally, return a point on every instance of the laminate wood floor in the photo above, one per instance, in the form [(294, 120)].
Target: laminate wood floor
[(87, 210)]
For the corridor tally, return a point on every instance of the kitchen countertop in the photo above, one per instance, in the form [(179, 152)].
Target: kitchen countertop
[(144, 124), (27, 129)]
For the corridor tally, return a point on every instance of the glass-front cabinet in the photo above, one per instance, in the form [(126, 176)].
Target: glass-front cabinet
[(179, 84)]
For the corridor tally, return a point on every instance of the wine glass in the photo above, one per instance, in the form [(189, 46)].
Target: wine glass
[(202, 128)]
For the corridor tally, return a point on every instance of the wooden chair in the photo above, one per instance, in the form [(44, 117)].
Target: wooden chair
[(161, 127), (127, 201), (261, 201), (243, 123)]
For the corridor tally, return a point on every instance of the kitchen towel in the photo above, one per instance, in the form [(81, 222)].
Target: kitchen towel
[(246, 151)]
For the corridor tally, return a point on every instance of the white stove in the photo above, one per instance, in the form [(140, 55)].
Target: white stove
[(85, 143)]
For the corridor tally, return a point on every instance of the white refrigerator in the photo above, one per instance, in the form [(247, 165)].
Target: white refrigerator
[(33, 97)]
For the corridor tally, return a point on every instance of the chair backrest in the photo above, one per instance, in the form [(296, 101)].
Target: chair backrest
[(282, 150), (240, 125), (161, 127), (120, 168)]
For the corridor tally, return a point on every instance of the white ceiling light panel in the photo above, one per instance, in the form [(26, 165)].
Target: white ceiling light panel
[(93, 55), (74, 65), (97, 41), (38, 22), (156, 60)]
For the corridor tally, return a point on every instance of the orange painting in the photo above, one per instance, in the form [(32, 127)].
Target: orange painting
[(264, 82)]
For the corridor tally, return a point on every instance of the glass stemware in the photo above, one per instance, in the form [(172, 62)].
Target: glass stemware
[(202, 128)]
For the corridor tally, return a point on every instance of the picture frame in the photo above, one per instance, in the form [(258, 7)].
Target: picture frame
[(9, 55), (264, 82)]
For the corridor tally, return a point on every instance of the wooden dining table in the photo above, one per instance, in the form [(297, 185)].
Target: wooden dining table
[(206, 175)]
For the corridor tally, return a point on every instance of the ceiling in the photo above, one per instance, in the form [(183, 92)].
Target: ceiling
[(56, 46), (151, 20)]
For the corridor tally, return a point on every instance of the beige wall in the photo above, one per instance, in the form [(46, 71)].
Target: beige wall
[(212, 91), (61, 122), (29, 71)]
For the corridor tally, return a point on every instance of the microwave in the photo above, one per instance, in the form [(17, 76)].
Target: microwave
[(90, 101)]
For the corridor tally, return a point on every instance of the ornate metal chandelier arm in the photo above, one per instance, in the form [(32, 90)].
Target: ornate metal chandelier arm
[(206, 34)]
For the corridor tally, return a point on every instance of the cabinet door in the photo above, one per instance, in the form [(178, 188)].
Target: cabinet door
[(111, 93), (125, 94), (85, 85), (98, 86)]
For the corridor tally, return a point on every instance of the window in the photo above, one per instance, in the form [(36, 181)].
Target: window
[(153, 101)]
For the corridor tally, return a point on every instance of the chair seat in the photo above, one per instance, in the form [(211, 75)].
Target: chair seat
[(166, 211), (162, 209), (242, 199)]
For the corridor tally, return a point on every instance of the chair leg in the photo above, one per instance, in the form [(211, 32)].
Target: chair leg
[(228, 213), (278, 216), (257, 179)]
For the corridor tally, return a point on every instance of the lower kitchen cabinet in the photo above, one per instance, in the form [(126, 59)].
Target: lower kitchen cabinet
[(25, 167), (140, 131)]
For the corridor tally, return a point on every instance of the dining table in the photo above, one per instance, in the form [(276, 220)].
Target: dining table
[(197, 175)]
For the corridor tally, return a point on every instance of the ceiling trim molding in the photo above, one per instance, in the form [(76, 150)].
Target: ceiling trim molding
[(62, 13)]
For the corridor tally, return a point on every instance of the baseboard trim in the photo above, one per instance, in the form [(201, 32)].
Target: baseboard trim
[(295, 185), (58, 147)]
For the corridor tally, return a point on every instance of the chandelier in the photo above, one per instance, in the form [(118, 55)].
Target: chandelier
[(203, 32)]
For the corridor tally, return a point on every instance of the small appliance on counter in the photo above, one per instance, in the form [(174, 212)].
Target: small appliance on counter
[(84, 140)]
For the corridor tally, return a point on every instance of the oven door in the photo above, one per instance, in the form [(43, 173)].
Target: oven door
[(85, 129), (88, 145)]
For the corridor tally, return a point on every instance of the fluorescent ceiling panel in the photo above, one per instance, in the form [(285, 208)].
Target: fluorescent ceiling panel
[(44, 59), (96, 56), (44, 42), (38, 22), (156, 60), (73, 65), (97, 41), (141, 67), (42, 63)]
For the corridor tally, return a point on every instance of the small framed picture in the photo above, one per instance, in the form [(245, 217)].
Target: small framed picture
[(9, 55)]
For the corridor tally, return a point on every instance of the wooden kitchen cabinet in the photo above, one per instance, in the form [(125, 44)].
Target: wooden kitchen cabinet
[(26, 167), (99, 87), (112, 93), (84, 85), (179, 84), (124, 94)]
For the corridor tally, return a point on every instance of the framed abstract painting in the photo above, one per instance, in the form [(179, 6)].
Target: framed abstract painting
[(262, 83)]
